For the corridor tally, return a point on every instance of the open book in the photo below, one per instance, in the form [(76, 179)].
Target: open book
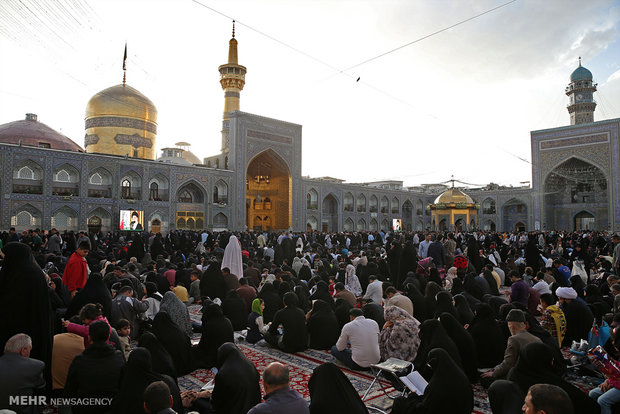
[(415, 382)]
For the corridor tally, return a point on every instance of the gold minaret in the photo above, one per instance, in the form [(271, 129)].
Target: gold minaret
[(232, 79)]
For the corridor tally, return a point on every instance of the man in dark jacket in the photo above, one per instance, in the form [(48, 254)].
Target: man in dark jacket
[(126, 307), (294, 337), (279, 398), (579, 318), (96, 372), (21, 376)]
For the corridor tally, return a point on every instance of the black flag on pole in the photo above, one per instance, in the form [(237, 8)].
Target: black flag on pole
[(125, 58)]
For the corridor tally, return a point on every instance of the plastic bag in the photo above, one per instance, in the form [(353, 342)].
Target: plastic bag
[(598, 336)]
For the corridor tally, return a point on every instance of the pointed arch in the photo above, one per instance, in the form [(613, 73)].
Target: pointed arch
[(220, 222), (159, 188), (267, 173), (373, 204), (312, 199), (100, 183), (348, 224), (28, 178), (419, 208), (374, 226), (65, 181), (220, 192), (361, 225), (385, 204), (26, 217), (329, 210), (385, 225), (312, 224), (348, 201), (407, 216), (99, 220), (65, 218), (190, 193), (360, 202), (395, 206), (489, 206), (573, 185), (131, 186)]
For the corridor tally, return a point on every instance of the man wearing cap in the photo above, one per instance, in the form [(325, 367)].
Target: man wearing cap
[(579, 318), (519, 338)]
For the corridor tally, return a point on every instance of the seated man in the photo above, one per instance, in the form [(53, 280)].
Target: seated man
[(396, 299), (342, 293), (279, 398), (520, 337), (374, 290), (20, 375), (579, 317), (553, 319), (363, 336), (158, 399), (96, 372), (294, 336)]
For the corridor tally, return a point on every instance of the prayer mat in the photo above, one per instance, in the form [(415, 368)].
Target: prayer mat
[(301, 365)]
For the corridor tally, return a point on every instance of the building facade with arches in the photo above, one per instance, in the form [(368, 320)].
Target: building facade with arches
[(256, 181)]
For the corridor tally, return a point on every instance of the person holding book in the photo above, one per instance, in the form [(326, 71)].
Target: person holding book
[(448, 390)]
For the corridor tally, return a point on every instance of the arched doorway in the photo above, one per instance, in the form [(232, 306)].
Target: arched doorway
[(572, 187), (312, 224), (329, 210), (458, 225), (584, 220), (519, 226), (94, 224), (156, 226), (442, 225), (99, 220), (514, 213), (407, 216), (268, 190)]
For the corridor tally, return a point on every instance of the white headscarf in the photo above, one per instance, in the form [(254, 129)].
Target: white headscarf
[(232, 257), (352, 283)]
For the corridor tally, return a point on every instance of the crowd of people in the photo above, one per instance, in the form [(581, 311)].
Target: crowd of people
[(106, 316)]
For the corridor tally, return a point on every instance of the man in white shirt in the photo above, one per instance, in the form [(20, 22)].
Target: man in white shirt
[(423, 250), (374, 291), (363, 335)]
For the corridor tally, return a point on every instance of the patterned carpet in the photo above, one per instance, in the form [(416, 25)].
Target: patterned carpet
[(301, 365)]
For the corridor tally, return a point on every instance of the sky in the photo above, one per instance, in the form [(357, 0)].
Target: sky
[(461, 102)]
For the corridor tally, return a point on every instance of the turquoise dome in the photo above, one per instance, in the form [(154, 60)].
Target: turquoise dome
[(580, 73)]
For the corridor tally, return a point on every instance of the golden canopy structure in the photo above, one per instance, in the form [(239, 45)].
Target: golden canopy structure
[(454, 210), (121, 121)]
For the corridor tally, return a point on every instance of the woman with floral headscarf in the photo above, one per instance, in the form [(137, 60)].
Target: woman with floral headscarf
[(399, 337)]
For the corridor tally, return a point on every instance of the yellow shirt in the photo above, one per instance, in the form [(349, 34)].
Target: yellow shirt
[(181, 293)]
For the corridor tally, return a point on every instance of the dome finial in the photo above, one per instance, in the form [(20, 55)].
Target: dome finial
[(579, 58), (233, 29), (125, 64)]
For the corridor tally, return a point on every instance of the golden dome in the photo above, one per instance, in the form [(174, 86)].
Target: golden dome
[(121, 100), (454, 195), (121, 121)]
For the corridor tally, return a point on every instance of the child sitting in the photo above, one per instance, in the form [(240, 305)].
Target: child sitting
[(89, 313), (123, 328)]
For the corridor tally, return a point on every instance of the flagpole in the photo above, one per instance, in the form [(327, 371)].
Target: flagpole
[(125, 64)]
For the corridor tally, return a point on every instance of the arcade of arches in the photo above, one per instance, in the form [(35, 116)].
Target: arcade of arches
[(268, 193), (576, 197)]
